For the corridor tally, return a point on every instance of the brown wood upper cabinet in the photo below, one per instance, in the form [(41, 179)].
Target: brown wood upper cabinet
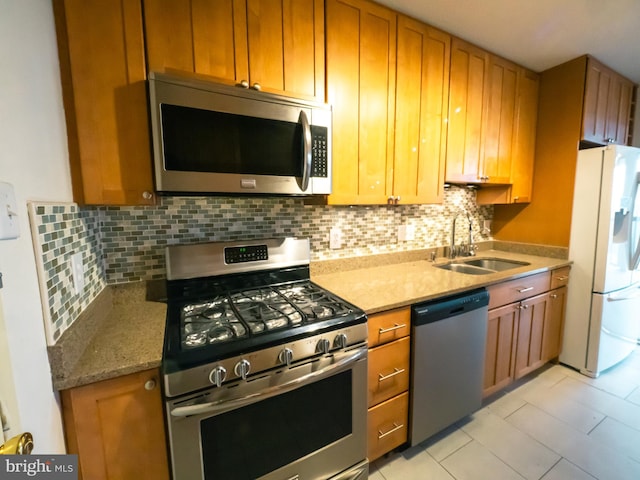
[(492, 119), (102, 67), (422, 92), (607, 105), (273, 46), (387, 80)]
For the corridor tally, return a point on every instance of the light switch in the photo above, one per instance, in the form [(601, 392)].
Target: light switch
[(9, 226)]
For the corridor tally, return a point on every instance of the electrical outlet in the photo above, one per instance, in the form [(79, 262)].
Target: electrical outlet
[(410, 232), (77, 272), (406, 233), (486, 227), (335, 238), (402, 233)]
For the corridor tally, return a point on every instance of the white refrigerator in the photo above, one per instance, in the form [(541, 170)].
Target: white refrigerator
[(602, 322)]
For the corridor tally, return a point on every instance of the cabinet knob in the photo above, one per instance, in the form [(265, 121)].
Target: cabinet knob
[(256, 86), (244, 84), (553, 295), (611, 140), (150, 384), (397, 200), (147, 195), (390, 200)]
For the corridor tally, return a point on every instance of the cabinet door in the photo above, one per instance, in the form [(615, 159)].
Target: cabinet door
[(524, 144), (102, 66), (278, 45), (500, 129), (531, 322), (117, 428), (607, 105), (422, 92), (554, 323), (361, 64), (500, 350), (467, 90)]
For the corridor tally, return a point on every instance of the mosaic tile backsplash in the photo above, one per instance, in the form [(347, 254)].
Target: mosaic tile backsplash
[(126, 244)]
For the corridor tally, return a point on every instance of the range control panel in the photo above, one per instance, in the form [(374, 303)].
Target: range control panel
[(249, 253)]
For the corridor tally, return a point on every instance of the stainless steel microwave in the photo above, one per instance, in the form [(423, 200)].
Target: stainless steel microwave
[(210, 138)]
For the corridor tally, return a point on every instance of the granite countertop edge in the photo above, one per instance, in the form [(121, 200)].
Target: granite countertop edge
[(122, 331)]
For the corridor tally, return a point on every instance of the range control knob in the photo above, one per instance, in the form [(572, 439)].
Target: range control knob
[(218, 375), (323, 346), (340, 341), (286, 356), (242, 368)]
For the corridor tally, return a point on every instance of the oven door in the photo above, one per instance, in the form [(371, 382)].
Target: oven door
[(304, 422)]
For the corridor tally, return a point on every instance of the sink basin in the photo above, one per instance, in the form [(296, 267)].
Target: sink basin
[(496, 264), (481, 266), (463, 268)]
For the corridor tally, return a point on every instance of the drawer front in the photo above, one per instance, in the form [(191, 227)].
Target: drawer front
[(518, 289), (389, 326), (387, 426), (388, 371), (560, 277)]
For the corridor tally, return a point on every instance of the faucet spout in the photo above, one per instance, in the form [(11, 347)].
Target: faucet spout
[(452, 245)]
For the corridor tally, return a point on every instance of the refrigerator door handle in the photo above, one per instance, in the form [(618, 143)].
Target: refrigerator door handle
[(620, 337), (629, 296)]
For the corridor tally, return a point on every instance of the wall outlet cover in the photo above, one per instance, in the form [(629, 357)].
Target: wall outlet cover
[(335, 238), (9, 225)]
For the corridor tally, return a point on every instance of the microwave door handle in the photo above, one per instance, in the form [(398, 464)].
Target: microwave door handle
[(306, 146)]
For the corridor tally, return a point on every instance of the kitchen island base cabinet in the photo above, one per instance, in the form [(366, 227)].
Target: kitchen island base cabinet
[(388, 381), (116, 427)]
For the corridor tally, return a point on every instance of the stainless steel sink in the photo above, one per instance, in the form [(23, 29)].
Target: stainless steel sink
[(463, 268), (496, 264), (481, 266)]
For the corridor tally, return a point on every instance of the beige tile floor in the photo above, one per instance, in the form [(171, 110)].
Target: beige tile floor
[(556, 425)]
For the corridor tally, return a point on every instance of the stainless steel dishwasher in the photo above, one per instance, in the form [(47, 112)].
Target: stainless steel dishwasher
[(448, 338)]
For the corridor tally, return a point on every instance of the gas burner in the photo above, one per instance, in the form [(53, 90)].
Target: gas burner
[(210, 322)]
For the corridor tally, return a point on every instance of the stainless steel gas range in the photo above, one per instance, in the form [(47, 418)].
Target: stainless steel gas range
[(265, 373)]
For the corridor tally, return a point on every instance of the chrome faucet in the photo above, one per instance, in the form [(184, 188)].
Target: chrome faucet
[(468, 250)]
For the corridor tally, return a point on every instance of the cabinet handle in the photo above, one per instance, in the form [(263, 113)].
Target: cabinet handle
[(525, 289), (524, 306), (562, 278), (150, 384), (553, 295), (396, 371), (396, 326), (395, 428)]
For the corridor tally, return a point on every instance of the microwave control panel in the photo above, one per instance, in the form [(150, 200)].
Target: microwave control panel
[(319, 151)]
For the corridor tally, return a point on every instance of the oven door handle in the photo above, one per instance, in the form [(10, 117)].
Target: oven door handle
[(231, 403)]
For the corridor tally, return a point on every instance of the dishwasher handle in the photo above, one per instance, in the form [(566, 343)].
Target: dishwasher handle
[(446, 307)]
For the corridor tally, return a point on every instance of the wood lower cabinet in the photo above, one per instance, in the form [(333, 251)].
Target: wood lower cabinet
[(116, 427), (526, 318), (103, 73), (388, 381), (277, 45)]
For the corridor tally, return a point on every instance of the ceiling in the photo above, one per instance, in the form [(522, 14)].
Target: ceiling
[(540, 34)]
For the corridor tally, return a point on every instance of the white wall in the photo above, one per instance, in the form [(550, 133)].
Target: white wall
[(34, 158)]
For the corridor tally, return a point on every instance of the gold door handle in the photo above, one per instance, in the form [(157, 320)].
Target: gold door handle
[(18, 445)]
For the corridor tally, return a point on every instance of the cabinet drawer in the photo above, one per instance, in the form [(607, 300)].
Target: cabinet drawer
[(389, 326), (560, 277), (516, 290), (387, 426), (388, 371)]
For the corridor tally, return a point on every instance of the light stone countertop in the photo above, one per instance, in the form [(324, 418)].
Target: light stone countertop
[(384, 287), (122, 331)]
